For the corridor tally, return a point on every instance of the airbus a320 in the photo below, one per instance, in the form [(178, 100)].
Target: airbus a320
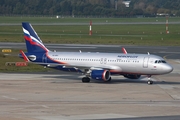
[(98, 66)]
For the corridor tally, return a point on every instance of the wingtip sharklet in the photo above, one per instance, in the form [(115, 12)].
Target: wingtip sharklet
[(124, 50)]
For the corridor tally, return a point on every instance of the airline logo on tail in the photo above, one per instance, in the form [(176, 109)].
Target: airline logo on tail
[(33, 42)]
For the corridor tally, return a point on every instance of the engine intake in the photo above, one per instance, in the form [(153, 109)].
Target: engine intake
[(101, 75)]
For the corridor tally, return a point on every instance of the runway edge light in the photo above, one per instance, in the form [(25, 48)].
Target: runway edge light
[(90, 27), (167, 31)]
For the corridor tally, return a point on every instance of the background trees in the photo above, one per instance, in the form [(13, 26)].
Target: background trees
[(89, 7)]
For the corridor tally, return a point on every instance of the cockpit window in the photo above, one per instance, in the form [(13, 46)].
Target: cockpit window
[(163, 61), (160, 61)]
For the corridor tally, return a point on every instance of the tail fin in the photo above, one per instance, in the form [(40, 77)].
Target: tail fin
[(33, 42)]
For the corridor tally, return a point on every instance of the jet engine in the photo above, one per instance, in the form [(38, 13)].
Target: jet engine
[(101, 75), (130, 76)]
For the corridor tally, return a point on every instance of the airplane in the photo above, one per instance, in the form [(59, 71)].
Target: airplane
[(98, 66)]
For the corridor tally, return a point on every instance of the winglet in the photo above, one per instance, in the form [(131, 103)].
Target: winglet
[(124, 50), (24, 56)]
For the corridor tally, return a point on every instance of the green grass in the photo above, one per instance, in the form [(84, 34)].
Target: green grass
[(12, 58), (53, 19), (102, 34)]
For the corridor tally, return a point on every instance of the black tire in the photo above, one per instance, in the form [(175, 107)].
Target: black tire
[(85, 80), (149, 82)]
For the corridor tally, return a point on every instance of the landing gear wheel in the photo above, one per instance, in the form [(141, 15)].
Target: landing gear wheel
[(85, 80), (149, 82)]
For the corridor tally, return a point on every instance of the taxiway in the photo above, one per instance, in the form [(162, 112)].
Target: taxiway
[(62, 96)]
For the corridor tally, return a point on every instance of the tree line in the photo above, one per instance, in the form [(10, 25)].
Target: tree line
[(89, 7)]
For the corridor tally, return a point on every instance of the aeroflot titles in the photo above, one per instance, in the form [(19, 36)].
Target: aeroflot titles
[(126, 56)]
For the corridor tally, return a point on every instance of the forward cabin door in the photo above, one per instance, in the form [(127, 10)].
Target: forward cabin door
[(145, 62)]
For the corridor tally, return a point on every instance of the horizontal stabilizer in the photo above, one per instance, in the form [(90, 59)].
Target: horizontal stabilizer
[(24, 56)]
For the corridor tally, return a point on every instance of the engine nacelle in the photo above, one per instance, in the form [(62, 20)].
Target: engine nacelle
[(130, 76), (101, 75)]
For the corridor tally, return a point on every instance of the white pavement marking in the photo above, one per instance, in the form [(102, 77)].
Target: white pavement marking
[(176, 97), (33, 103), (86, 117), (6, 76)]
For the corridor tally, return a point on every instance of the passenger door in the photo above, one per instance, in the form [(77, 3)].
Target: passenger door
[(145, 62)]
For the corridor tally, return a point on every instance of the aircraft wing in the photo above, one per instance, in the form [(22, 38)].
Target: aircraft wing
[(107, 67)]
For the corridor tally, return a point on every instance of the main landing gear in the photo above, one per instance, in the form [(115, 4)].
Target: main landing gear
[(149, 82), (86, 79)]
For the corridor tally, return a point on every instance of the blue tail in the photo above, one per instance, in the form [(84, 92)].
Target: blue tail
[(33, 42)]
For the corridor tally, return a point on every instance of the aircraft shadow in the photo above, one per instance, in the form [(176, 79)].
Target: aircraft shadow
[(144, 82), (173, 117), (77, 78)]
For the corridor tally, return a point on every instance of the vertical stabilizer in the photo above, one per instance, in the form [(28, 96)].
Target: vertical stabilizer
[(33, 42)]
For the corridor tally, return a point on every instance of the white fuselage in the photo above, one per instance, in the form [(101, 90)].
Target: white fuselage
[(143, 64)]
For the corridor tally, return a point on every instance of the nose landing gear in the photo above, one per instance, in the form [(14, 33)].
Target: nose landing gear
[(149, 82)]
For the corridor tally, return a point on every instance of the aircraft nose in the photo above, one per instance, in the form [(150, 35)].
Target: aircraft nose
[(168, 68)]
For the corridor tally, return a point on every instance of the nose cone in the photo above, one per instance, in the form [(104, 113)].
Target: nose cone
[(167, 68)]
